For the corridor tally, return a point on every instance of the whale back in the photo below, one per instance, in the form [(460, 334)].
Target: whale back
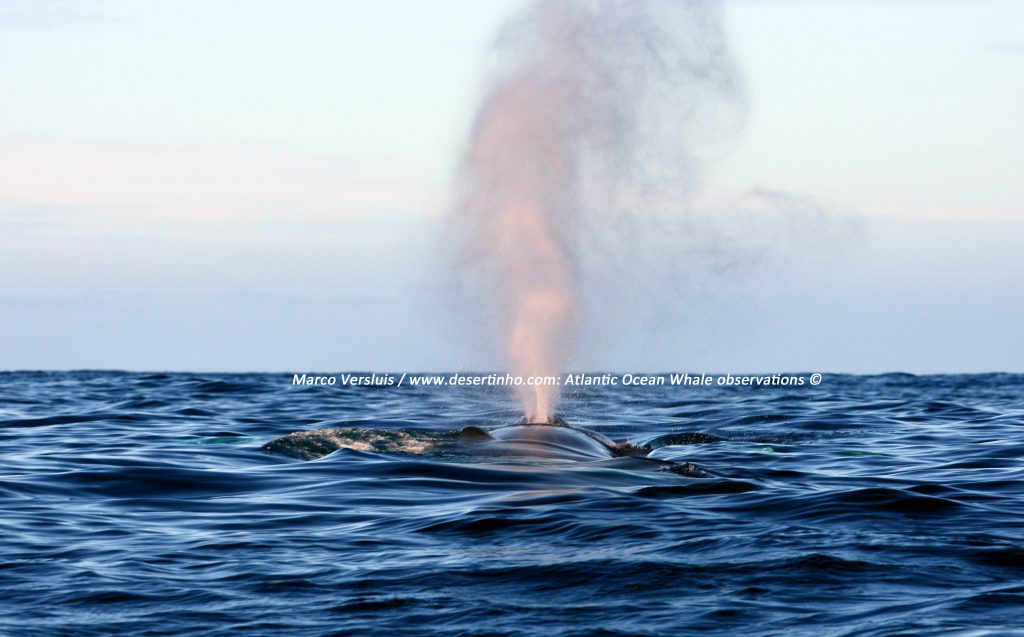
[(551, 441), (556, 440)]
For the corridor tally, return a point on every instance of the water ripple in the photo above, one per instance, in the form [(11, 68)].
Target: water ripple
[(143, 504)]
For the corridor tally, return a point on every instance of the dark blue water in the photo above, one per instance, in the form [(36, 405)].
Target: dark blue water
[(142, 504)]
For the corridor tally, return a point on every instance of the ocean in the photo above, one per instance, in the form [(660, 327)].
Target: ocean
[(146, 504)]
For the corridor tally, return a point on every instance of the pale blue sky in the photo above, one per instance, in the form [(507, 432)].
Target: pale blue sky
[(260, 185)]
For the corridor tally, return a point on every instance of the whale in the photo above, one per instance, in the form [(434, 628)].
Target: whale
[(551, 441)]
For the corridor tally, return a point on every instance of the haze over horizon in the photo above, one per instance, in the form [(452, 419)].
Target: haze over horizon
[(251, 186)]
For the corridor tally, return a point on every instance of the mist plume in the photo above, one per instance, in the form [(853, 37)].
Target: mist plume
[(592, 112)]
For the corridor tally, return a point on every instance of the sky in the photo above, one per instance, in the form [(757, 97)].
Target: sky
[(246, 186)]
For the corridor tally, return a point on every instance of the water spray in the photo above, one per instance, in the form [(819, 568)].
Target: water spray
[(588, 114)]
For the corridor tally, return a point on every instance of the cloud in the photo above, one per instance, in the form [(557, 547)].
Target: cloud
[(52, 14), (21, 218), (44, 180)]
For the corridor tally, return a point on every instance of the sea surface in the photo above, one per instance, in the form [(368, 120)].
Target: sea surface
[(143, 504)]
